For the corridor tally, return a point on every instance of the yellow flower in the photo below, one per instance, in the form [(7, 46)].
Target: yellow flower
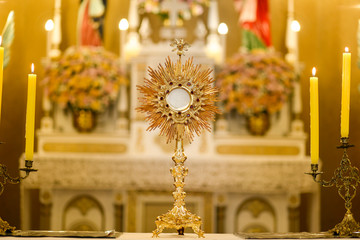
[(95, 106)]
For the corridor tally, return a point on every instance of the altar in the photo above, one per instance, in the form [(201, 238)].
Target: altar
[(119, 189), (116, 177)]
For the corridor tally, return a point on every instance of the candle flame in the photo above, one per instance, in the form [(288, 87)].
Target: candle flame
[(346, 49), (49, 25), (0, 40), (32, 68), (313, 71), (223, 29), (123, 24), (295, 26)]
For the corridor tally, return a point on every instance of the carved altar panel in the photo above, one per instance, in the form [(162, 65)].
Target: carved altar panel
[(255, 215), (79, 209)]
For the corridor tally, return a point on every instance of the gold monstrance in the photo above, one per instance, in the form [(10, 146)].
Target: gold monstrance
[(179, 99)]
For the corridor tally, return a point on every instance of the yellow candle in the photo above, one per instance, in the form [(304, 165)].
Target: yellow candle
[(345, 96), (314, 118), (30, 115), (1, 72)]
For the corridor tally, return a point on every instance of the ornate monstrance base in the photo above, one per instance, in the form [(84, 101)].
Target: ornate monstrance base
[(179, 217)]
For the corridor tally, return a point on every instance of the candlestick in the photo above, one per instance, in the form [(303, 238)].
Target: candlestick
[(5, 228), (345, 97), (295, 28), (123, 103), (223, 30), (314, 118), (346, 178), (123, 26), (49, 26), (297, 105), (56, 33), (1, 72), (30, 115)]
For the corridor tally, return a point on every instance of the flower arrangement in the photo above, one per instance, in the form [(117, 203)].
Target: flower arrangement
[(255, 82), (195, 8), (84, 78)]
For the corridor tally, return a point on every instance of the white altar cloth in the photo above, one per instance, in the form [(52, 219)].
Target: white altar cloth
[(138, 236), (175, 236)]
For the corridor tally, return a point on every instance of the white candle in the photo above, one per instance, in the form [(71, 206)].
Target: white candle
[(223, 30), (123, 26), (49, 26)]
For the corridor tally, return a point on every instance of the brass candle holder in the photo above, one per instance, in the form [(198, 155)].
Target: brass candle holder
[(179, 99), (6, 178), (346, 178)]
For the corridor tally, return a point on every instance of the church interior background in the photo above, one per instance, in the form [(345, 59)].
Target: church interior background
[(117, 176)]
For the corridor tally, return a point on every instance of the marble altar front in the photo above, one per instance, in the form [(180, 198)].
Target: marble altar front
[(238, 184)]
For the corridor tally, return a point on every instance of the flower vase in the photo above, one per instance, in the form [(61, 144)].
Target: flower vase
[(258, 123), (84, 120)]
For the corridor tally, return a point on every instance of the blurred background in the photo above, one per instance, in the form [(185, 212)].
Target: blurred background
[(327, 27)]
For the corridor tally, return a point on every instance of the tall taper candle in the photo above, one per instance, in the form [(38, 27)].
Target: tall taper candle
[(314, 118), (123, 26), (49, 27), (30, 115), (223, 30), (1, 72), (345, 96)]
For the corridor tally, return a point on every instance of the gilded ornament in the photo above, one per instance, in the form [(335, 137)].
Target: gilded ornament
[(170, 81), (5, 228), (346, 178), (179, 100)]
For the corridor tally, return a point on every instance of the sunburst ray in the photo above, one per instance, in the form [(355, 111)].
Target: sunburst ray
[(161, 114)]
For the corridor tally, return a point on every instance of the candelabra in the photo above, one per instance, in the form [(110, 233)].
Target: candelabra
[(346, 178), (6, 178)]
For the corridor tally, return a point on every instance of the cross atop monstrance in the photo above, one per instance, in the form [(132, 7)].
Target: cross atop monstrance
[(179, 99), (174, 7), (180, 46)]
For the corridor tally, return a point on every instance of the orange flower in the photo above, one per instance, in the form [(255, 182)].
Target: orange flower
[(255, 81)]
